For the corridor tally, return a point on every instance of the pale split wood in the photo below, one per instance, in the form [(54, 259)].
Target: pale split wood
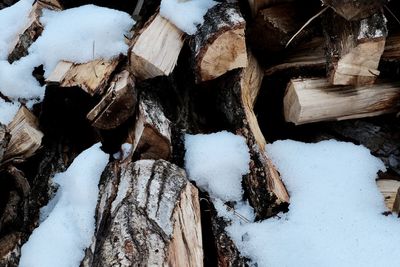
[(26, 138), (92, 76), (117, 105), (155, 50), (389, 190), (314, 99)]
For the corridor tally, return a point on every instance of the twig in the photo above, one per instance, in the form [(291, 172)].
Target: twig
[(240, 216), (94, 69), (306, 24)]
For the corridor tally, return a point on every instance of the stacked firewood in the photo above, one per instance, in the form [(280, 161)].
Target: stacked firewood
[(141, 105)]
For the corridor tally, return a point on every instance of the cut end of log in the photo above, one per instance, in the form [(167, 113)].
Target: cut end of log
[(155, 51), (219, 45), (117, 105), (390, 191)]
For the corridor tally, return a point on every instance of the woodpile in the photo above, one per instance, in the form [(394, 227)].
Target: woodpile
[(241, 71)]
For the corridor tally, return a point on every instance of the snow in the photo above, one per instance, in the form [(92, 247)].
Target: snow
[(67, 230), (335, 213), (217, 162), (8, 111), (77, 34), (186, 15), (10, 26)]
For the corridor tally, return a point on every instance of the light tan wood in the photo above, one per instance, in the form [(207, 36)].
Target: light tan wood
[(155, 51), (396, 204), (389, 190), (92, 77), (26, 138), (314, 99), (117, 105)]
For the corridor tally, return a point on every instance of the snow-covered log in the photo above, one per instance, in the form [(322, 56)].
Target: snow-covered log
[(117, 105), (239, 90), (32, 30), (148, 214), (92, 77), (154, 52), (354, 49), (219, 44), (314, 99)]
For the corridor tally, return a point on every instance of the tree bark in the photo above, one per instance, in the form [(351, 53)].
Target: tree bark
[(356, 10)]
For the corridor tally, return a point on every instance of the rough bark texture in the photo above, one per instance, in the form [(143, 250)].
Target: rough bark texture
[(354, 49), (148, 214), (219, 44), (355, 9)]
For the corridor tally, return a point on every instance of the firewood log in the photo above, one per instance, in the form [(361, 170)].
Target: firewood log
[(219, 44), (32, 30), (355, 9), (238, 92), (92, 77), (4, 140), (354, 49), (256, 5), (312, 100), (117, 105), (155, 50), (148, 214), (389, 189)]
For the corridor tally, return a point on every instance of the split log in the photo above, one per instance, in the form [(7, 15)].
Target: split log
[(256, 5), (155, 50), (92, 77), (4, 140), (355, 9), (148, 214), (396, 204), (238, 92), (151, 135), (117, 105), (354, 49), (312, 100), (274, 26), (32, 30), (219, 44), (26, 138), (389, 190)]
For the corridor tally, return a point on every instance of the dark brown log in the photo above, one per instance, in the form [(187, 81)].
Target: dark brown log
[(148, 214), (154, 52), (354, 49), (151, 134), (117, 105), (256, 5), (219, 44), (93, 77), (4, 140), (356, 9), (32, 30), (238, 91), (314, 99), (274, 26), (26, 138)]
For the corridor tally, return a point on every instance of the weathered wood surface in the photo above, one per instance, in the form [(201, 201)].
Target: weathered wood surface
[(219, 44), (151, 133), (354, 49), (32, 30), (314, 99), (92, 77), (355, 9), (389, 189), (256, 5), (148, 214), (156, 49), (117, 105), (267, 194), (26, 138)]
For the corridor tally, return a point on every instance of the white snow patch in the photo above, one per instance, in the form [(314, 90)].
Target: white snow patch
[(186, 15), (78, 34), (13, 19), (8, 111), (335, 216), (217, 162), (62, 237)]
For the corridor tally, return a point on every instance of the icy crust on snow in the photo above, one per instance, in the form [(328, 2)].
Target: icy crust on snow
[(8, 111), (62, 236), (335, 213), (217, 162), (12, 20), (186, 15), (78, 34)]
